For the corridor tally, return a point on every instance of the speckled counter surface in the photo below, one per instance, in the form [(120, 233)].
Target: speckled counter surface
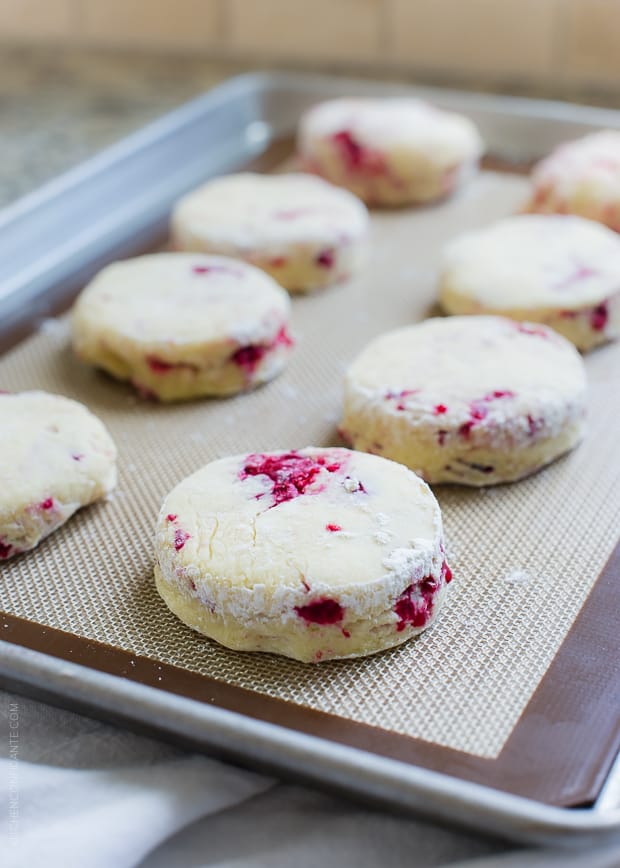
[(57, 109), (59, 106)]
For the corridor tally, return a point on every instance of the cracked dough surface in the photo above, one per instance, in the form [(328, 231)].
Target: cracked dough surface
[(181, 325), (306, 233), (315, 554), (563, 271), (55, 456), (396, 151), (475, 400)]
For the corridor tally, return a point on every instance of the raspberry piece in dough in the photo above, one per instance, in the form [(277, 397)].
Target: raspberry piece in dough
[(315, 554), (179, 325), (474, 400), (562, 271), (398, 151), (301, 230)]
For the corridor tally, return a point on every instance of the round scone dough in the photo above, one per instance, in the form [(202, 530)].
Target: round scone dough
[(55, 457), (180, 325), (397, 151), (315, 554), (580, 177), (563, 271), (301, 230), (475, 400)]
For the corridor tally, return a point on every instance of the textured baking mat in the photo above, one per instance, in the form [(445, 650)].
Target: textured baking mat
[(524, 557)]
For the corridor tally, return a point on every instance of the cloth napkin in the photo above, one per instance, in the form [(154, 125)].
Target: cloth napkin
[(76, 793)]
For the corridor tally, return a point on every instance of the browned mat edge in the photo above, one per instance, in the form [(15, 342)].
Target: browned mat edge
[(559, 752)]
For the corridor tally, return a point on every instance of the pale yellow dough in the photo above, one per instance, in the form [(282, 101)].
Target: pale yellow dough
[(475, 400), (315, 554), (181, 325), (563, 271), (55, 457), (301, 230), (397, 151)]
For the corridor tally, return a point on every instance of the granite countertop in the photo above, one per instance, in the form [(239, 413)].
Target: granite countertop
[(57, 109), (60, 106)]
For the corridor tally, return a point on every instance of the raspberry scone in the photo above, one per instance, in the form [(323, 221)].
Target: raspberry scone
[(181, 326), (55, 457), (301, 230), (471, 400), (563, 271), (315, 554), (398, 151), (580, 177)]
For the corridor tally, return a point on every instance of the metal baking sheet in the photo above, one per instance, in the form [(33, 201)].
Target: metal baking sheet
[(118, 204)]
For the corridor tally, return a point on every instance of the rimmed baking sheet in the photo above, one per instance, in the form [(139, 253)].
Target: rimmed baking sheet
[(496, 692)]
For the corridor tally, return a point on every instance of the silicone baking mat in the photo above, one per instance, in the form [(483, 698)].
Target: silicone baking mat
[(524, 556)]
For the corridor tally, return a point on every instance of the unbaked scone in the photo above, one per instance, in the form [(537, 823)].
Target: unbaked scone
[(180, 325), (563, 271), (580, 177), (315, 554), (475, 400), (301, 230), (397, 151), (55, 457)]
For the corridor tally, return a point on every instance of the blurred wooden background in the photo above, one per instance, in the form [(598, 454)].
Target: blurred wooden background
[(551, 42)]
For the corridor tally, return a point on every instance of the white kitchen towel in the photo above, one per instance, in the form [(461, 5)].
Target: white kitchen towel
[(77, 793)]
